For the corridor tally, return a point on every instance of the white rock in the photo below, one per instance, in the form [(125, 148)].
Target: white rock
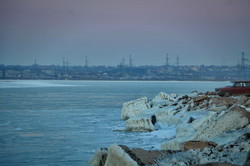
[(117, 156), (166, 115), (229, 120), (134, 108), (139, 124), (164, 99), (174, 144), (215, 108), (98, 158)]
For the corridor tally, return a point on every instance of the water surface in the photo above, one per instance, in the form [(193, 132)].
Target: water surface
[(64, 122)]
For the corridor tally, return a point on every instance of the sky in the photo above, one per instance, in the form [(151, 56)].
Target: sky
[(199, 32)]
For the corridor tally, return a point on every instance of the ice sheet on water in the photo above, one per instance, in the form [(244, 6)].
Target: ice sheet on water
[(31, 83), (165, 132), (156, 137)]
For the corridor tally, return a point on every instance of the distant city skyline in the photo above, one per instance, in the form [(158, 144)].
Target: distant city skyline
[(198, 32), (126, 61)]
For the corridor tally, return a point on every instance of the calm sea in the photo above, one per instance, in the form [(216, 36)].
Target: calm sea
[(64, 122)]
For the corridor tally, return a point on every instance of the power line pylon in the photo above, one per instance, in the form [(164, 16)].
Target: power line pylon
[(167, 60), (177, 61), (243, 65), (130, 61), (64, 62), (86, 61), (123, 62), (35, 63), (243, 61)]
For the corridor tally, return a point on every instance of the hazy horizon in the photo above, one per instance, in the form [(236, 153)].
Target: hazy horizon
[(199, 32), (116, 65)]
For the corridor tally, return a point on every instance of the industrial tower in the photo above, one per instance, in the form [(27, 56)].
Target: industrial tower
[(130, 61), (167, 60), (86, 61), (177, 61), (243, 61)]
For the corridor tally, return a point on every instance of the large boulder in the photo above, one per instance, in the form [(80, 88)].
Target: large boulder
[(242, 111), (164, 99), (117, 156), (242, 100), (236, 118), (139, 124), (200, 98), (223, 101), (99, 158), (208, 126), (232, 153), (198, 145), (121, 155), (247, 104), (148, 157), (134, 108)]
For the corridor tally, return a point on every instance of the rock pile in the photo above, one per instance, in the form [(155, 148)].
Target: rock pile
[(209, 129)]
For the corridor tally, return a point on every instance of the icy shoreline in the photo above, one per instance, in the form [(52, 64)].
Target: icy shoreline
[(208, 129)]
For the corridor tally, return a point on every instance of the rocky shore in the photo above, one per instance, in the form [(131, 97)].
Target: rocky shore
[(210, 130)]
